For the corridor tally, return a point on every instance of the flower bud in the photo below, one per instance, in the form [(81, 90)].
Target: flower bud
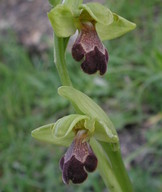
[(78, 160), (89, 48)]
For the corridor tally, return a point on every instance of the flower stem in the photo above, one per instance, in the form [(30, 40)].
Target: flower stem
[(111, 167), (60, 61)]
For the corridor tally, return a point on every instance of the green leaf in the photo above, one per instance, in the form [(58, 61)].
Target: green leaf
[(104, 129), (62, 21), (118, 27), (98, 12)]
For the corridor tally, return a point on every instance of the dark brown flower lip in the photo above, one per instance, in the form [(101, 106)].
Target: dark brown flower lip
[(78, 161), (89, 49)]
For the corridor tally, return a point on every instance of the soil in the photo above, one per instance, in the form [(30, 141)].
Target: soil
[(28, 19)]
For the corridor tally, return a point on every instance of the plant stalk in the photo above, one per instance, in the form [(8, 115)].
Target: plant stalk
[(60, 61), (111, 167)]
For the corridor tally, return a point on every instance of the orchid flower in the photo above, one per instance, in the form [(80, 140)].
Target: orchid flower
[(94, 23), (76, 132)]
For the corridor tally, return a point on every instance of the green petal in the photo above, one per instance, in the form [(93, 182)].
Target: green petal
[(118, 27), (62, 21), (61, 132), (98, 12), (74, 5), (104, 129), (64, 128)]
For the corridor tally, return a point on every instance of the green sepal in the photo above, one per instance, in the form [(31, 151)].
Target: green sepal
[(97, 12), (91, 118), (44, 133), (74, 6), (53, 3), (117, 28), (60, 133), (104, 133), (62, 20), (104, 129)]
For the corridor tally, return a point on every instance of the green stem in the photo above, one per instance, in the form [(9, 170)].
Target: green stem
[(111, 167), (60, 61)]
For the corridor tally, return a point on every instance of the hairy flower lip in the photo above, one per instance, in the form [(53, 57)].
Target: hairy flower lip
[(77, 161), (89, 49), (99, 61)]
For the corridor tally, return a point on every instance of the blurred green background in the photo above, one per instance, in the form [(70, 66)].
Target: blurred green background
[(130, 93)]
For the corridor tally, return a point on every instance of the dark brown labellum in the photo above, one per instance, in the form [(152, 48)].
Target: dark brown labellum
[(77, 161), (89, 48)]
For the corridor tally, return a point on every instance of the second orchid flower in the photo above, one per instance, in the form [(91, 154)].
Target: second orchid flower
[(76, 131)]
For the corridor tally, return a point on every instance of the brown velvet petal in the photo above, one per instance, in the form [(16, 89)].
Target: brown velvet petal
[(89, 65), (74, 170), (95, 61), (106, 56), (91, 163), (78, 52), (62, 163), (102, 62)]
